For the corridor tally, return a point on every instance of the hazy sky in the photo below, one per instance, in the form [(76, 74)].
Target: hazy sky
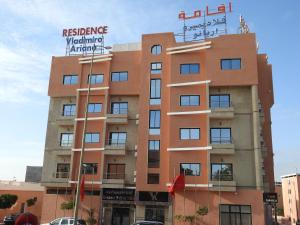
[(30, 33)]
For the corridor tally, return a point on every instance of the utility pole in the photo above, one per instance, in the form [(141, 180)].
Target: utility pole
[(77, 200)]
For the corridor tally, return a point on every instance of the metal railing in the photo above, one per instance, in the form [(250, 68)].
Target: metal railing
[(222, 177), (62, 174), (116, 142), (120, 176), (220, 104), (221, 140), (66, 143), (119, 111)]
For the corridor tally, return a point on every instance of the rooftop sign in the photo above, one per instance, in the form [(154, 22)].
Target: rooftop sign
[(84, 40), (212, 22)]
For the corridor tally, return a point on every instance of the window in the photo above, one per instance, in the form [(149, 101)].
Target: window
[(230, 64), (153, 154), (117, 138), (156, 68), (221, 171), (155, 213), (119, 107), (219, 101), (153, 178), (62, 170), (156, 50), (69, 110), (190, 169), (189, 68), (89, 168), (64, 222), (70, 79), (155, 92), (154, 122), (220, 136), (94, 107), (235, 215), (96, 78), (119, 76), (116, 171), (189, 100), (189, 133), (92, 137), (66, 139)]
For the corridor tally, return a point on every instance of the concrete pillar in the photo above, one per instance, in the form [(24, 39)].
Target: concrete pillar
[(256, 138)]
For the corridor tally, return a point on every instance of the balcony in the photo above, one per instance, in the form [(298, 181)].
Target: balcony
[(118, 117), (115, 147), (61, 175), (65, 121), (223, 185), (222, 145), (221, 110), (113, 180)]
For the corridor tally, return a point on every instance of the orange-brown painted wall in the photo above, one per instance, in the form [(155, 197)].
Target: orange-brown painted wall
[(36, 209)]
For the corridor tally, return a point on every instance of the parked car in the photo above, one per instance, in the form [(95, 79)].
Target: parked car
[(148, 223), (10, 219), (65, 221)]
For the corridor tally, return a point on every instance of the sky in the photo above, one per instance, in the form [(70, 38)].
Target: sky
[(31, 33)]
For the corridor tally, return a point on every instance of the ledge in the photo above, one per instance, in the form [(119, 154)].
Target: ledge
[(229, 186), (223, 149)]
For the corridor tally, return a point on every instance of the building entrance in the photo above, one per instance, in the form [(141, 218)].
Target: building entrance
[(120, 216)]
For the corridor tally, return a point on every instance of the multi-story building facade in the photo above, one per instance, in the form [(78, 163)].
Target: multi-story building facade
[(156, 109), (291, 197)]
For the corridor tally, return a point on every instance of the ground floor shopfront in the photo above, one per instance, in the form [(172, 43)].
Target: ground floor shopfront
[(125, 206)]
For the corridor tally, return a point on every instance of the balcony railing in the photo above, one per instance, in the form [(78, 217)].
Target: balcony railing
[(119, 143), (66, 143), (221, 140), (220, 104), (62, 175), (118, 176), (119, 111), (222, 177)]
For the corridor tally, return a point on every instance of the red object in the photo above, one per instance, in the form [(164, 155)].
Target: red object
[(178, 184), (82, 189), (26, 219)]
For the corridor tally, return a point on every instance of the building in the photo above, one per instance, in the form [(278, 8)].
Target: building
[(24, 192), (158, 108), (278, 190), (291, 197), (33, 174)]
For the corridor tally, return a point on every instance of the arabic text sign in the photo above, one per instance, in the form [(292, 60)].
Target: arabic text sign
[(207, 27)]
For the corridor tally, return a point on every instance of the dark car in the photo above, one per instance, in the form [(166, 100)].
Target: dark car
[(10, 219), (148, 223)]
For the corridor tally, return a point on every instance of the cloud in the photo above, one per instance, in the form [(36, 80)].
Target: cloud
[(24, 71)]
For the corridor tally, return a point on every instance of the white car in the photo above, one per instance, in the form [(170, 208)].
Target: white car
[(65, 221)]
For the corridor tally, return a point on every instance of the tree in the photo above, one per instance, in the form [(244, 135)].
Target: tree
[(7, 201), (202, 211), (31, 201), (67, 205)]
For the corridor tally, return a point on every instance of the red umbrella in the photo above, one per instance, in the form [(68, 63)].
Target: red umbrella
[(26, 219)]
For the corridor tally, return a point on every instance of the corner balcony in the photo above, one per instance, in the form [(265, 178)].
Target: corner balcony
[(227, 186), (117, 117), (223, 182), (113, 180), (222, 146), (115, 147), (65, 121), (221, 110), (61, 175)]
